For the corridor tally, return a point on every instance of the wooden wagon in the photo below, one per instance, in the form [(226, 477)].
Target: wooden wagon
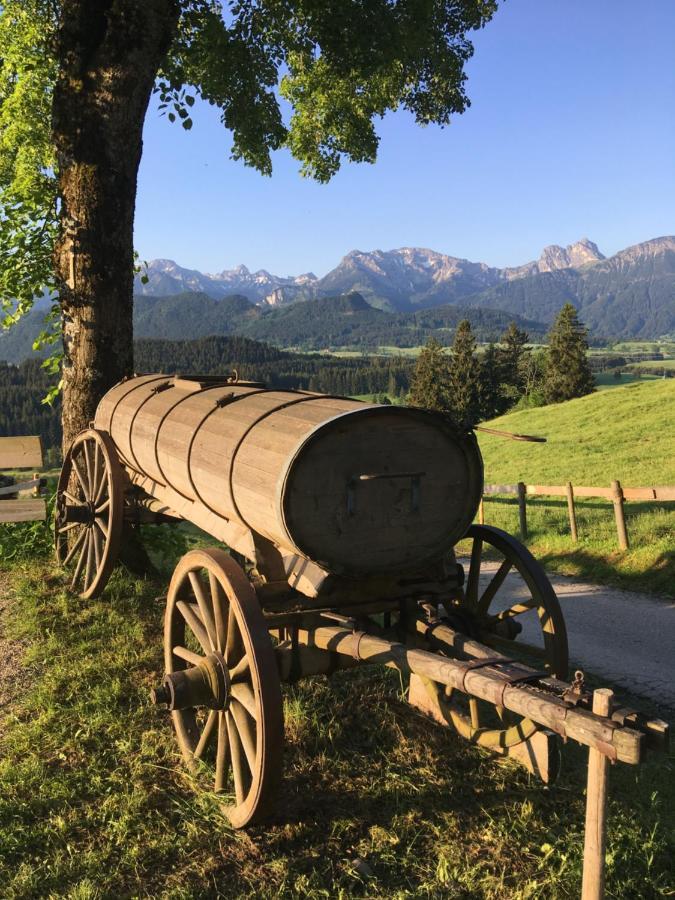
[(342, 520)]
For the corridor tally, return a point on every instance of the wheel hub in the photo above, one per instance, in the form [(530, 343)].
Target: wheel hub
[(206, 684)]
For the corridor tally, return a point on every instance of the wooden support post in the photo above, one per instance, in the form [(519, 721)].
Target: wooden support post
[(572, 512), (618, 500), (593, 885), (481, 512), (522, 509)]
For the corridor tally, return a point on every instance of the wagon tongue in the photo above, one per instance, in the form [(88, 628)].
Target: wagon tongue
[(206, 684)]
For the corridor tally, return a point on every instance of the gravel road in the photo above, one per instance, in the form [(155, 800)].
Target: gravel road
[(625, 636)]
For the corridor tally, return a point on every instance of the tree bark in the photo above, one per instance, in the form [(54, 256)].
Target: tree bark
[(109, 52)]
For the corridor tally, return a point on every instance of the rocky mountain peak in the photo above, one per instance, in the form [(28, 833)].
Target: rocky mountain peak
[(574, 255)]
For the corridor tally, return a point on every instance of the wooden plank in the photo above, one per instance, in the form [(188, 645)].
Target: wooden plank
[(664, 493), (593, 886), (593, 492), (23, 511), (500, 489), (548, 490), (20, 452)]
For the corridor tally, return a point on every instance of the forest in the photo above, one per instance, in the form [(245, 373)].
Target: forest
[(23, 386)]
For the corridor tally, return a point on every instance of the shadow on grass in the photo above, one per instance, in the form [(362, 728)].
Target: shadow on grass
[(660, 580)]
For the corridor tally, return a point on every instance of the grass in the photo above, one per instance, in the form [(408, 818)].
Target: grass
[(605, 380), (627, 434), (376, 802), (655, 364)]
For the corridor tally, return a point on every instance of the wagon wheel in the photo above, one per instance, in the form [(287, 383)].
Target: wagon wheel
[(522, 620), (88, 514), (222, 683)]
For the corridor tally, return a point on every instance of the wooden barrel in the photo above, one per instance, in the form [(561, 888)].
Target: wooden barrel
[(356, 487)]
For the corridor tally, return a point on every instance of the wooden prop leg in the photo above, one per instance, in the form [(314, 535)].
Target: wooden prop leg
[(593, 887), (539, 754)]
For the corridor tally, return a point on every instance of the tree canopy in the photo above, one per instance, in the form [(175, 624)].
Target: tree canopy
[(339, 65)]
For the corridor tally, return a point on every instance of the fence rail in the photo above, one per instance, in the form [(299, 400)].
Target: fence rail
[(616, 493), (21, 453)]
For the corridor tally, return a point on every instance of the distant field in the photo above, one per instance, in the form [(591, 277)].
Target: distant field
[(604, 380), (656, 364), (627, 433)]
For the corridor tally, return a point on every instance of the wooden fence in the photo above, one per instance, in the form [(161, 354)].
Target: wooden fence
[(22, 453), (616, 493)]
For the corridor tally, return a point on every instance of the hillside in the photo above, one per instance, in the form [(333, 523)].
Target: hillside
[(632, 294), (626, 433), (318, 324), (628, 295)]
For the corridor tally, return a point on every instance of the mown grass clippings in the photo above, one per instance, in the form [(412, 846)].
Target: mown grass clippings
[(376, 801)]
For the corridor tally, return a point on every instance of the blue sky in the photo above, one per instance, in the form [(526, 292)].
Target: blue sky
[(571, 133)]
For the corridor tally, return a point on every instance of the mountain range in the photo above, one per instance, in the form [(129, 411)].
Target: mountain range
[(400, 298), (628, 295)]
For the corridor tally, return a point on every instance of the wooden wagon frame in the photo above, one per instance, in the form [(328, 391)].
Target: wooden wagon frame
[(238, 624)]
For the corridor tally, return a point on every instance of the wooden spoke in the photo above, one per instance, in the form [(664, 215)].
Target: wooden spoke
[(233, 647), (80, 561), (90, 558), (206, 733), (241, 671), (90, 466), (202, 603), (474, 571), (187, 610), (97, 469), (187, 655), (68, 527), (492, 588), (76, 546), (81, 477), (246, 734), (244, 694), (475, 717), (100, 492), (100, 524), (218, 603), (517, 610), (237, 757), (249, 723), (222, 752)]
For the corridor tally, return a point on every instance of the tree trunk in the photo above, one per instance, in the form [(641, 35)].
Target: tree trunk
[(109, 52)]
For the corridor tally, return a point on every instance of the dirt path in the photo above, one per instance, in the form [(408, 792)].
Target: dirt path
[(626, 636)]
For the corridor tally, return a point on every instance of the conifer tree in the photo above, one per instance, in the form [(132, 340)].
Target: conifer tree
[(465, 378), (492, 399), (430, 385), (514, 342), (568, 373)]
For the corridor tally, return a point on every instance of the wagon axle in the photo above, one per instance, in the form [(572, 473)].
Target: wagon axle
[(206, 684)]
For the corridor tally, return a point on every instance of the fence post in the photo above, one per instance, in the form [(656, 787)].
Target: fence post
[(572, 512), (481, 513), (593, 884), (617, 500), (522, 509)]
